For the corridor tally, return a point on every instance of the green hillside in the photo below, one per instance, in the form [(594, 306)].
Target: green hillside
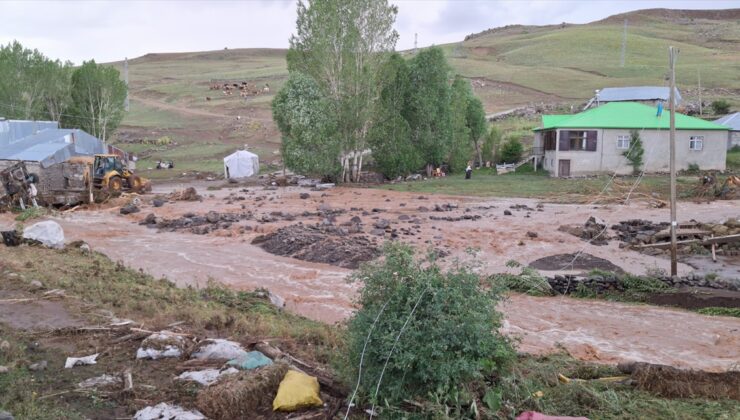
[(509, 67), (571, 61)]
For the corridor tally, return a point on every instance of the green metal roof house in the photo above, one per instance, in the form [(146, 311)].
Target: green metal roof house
[(594, 141)]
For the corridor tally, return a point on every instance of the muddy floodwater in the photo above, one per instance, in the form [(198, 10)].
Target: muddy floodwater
[(591, 330)]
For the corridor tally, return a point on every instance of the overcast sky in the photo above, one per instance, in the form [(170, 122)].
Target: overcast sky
[(111, 30)]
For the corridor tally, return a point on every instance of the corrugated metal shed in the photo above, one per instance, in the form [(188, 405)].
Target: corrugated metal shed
[(731, 121), (636, 93), (14, 130), (52, 146)]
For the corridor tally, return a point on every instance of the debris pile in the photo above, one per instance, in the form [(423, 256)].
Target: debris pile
[(319, 243), (594, 231), (188, 194), (197, 224), (604, 282), (693, 237)]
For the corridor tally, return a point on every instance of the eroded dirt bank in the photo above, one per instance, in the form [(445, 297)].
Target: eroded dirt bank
[(591, 330)]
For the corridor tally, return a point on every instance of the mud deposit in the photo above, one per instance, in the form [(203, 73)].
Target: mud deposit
[(582, 261), (700, 297), (321, 244)]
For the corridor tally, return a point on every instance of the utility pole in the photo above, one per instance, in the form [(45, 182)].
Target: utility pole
[(672, 55), (125, 79), (624, 44), (698, 76)]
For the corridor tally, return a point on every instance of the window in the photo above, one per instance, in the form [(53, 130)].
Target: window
[(696, 142), (578, 140), (550, 139), (623, 142)]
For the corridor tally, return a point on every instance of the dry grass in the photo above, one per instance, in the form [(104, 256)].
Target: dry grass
[(670, 382), (243, 394)]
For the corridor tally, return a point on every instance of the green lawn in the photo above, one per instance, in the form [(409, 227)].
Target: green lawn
[(528, 184)]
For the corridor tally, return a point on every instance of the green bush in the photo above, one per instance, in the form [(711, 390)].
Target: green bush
[(445, 324), (693, 168), (635, 152), (721, 107), (720, 311), (511, 151)]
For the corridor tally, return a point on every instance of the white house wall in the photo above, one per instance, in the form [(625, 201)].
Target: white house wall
[(609, 159)]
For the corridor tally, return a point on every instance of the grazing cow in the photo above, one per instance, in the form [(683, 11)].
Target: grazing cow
[(208, 98)]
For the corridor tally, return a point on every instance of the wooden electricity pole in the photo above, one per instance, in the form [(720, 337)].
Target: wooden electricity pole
[(698, 77), (672, 55)]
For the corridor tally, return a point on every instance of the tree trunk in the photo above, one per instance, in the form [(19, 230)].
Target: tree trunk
[(480, 153), (430, 168), (359, 171), (355, 172)]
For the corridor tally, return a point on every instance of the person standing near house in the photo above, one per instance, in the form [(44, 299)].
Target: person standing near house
[(468, 171)]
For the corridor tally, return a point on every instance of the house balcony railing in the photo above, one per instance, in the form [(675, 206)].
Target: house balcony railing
[(537, 151)]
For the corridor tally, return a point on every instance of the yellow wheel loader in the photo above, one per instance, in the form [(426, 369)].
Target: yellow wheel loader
[(110, 174)]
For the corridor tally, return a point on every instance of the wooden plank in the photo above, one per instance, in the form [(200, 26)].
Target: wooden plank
[(710, 241)]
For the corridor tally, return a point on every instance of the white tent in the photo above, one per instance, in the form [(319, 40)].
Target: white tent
[(241, 164)]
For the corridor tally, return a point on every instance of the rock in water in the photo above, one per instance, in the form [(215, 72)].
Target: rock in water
[(48, 232)]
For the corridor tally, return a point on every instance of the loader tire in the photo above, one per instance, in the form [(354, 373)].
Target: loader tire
[(115, 184), (135, 183)]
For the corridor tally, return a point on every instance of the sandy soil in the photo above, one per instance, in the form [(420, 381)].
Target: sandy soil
[(592, 330)]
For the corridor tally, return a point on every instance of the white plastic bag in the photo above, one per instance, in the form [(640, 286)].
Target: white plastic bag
[(169, 412)]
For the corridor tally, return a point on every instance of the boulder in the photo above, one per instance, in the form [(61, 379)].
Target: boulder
[(48, 232), (129, 209)]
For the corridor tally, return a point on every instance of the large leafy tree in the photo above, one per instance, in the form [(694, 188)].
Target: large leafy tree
[(460, 146), (98, 95), (476, 121), (32, 86), (390, 136), (428, 110), (304, 116), (342, 45)]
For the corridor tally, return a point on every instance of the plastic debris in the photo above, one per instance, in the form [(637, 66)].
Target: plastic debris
[(169, 412), (218, 348), (297, 391), (98, 381), (206, 376), (251, 360), (80, 361), (48, 232), (161, 345)]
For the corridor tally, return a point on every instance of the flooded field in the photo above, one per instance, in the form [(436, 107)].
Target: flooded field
[(591, 330)]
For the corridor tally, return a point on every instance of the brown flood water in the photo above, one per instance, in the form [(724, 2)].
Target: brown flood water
[(598, 331)]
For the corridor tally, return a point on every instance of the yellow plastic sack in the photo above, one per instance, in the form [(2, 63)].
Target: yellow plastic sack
[(296, 391)]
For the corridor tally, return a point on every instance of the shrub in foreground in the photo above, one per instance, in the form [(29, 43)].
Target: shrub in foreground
[(431, 332)]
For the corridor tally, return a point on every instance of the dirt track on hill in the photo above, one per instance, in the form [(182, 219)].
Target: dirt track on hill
[(591, 330)]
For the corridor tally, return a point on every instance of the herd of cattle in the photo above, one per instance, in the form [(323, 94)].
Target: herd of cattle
[(245, 89)]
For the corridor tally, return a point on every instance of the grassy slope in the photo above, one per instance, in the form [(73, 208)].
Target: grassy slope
[(574, 60), (523, 65)]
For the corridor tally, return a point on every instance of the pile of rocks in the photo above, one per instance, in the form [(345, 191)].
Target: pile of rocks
[(593, 231), (319, 243), (638, 232), (197, 224), (456, 219), (602, 283)]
